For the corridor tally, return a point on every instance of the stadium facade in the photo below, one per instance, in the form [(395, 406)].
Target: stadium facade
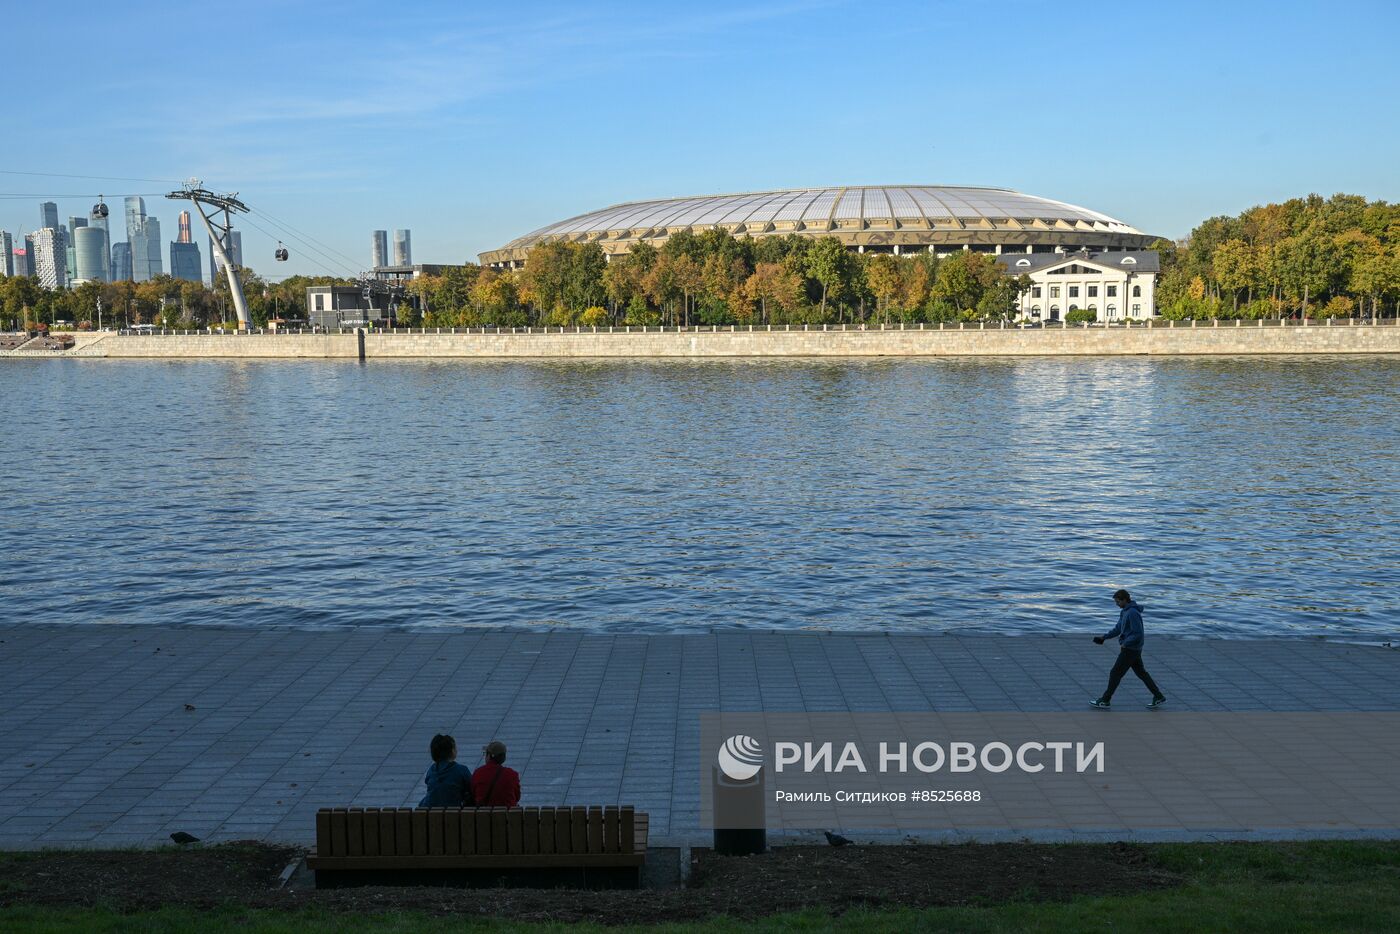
[(896, 219)]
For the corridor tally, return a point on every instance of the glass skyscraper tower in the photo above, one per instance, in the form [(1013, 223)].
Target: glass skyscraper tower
[(185, 262), (100, 222)]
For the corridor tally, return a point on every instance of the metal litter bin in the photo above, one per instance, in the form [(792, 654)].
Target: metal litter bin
[(740, 822)]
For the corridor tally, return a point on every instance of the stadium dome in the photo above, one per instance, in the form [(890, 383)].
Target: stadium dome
[(876, 218)]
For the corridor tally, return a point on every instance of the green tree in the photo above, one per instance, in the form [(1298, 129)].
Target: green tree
[(83, 301), (21, 295), (964, 277), (1306, 265), (625, 277), (998, 301), (830, 265), (1377, 276), (544, 280), (1235, 266), (584, 283), (640, 314)]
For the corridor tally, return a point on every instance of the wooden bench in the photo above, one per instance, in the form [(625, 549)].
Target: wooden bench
[(464, 846)]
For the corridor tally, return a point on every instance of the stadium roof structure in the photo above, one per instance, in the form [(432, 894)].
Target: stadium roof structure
[(910, 216)]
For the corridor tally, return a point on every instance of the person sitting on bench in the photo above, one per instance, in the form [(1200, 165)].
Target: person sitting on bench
[(449, 784), (494, 785)]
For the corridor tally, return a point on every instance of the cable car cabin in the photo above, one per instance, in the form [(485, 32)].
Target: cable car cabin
[(281, 253), (99, 210)]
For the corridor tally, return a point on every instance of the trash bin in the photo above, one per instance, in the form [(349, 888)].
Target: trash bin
[(740, 824)]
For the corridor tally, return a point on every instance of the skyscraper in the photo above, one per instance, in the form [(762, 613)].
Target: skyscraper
[(184, 231), (51, 257), (235, 253), (140, 246), (139, 243), (403, 249), (153, 241), (90, 250), (48, 215), (184, 260), (7, 254), (135, 214), (145, 250), (100, 222), (121, 262), (379, 248), (72, 233)]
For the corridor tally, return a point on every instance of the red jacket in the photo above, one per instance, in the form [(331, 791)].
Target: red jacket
[(505, 792)]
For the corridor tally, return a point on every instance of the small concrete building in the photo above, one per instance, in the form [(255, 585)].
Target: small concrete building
[(345, 306), (1115, 286)]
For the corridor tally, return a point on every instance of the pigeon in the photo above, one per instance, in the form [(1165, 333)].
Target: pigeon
[(835, 839), (181, 837)]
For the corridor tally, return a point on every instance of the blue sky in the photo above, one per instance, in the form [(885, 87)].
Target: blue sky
[(472, 124)]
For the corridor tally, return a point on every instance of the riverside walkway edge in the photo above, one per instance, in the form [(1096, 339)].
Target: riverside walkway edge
[(118, 735), (1162, 339)]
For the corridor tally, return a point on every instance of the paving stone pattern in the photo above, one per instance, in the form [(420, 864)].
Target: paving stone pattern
[(98, 748)]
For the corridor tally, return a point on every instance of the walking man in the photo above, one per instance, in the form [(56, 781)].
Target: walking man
[(1130, 639)]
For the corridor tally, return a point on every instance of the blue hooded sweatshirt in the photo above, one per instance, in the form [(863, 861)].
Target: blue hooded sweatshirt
[(449, 786), (1129, 628)]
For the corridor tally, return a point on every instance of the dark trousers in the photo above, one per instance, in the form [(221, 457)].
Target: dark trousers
[(1129, 658)]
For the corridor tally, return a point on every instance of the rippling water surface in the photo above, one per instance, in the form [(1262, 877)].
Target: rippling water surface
[(1233, 496)]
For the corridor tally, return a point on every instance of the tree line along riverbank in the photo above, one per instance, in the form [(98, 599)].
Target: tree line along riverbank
[(1309, 257)]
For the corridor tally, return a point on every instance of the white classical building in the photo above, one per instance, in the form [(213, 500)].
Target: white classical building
[(1115, 286)]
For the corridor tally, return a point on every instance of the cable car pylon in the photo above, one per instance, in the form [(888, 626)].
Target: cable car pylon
[(222, 241)]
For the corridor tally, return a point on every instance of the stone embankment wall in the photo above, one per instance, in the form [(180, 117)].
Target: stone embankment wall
[(897, 343), (1183, 339), (177, 346)]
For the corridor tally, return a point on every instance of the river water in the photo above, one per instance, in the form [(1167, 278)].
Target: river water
[(1233, 496)]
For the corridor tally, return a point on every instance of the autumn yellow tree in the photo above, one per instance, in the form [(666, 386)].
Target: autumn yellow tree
[(775, 283)]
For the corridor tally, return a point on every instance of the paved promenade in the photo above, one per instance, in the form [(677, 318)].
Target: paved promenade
[(119, 735)]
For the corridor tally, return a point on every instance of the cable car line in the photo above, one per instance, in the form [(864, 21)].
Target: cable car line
[(309, 247), (110, 178), (287, 226)]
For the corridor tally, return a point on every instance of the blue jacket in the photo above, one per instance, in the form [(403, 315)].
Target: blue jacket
[(449, 786), (1129, 628)]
